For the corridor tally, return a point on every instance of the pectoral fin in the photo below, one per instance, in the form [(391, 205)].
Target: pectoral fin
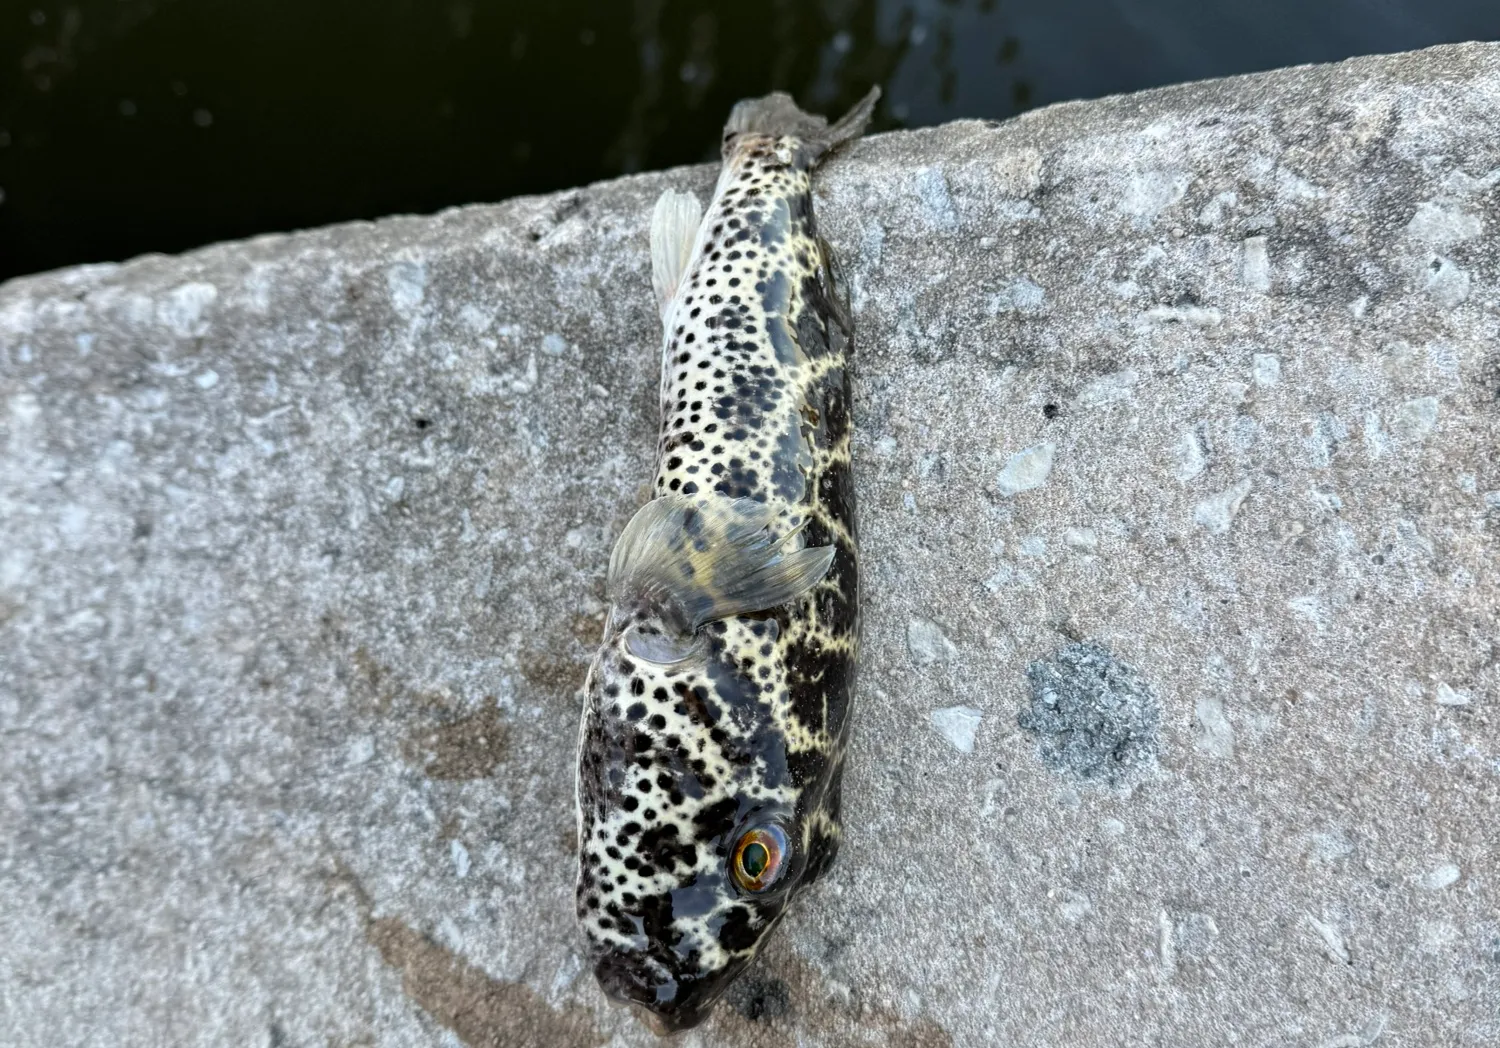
[(674, 228), (683, 562)]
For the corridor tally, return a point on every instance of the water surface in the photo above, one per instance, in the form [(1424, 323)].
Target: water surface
[(158, 125)]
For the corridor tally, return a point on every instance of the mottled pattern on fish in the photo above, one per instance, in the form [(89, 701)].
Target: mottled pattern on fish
[(718, 703)]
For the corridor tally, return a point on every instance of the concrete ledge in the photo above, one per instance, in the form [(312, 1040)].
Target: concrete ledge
[(1177, 429)]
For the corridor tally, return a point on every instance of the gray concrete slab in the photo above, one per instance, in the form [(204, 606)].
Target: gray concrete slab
[(1177, 428)]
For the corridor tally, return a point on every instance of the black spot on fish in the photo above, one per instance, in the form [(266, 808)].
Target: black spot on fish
[(735, 933), (716, 820)]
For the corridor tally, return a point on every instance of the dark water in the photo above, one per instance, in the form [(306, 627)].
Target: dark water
[(157, 125)]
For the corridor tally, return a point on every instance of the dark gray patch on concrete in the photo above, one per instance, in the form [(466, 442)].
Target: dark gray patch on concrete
[(1093, 715), (759, 999)]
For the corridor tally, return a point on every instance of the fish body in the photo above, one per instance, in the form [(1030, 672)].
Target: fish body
[(716, 711)]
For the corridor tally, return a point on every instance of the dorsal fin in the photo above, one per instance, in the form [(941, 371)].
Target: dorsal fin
[(674, 228)]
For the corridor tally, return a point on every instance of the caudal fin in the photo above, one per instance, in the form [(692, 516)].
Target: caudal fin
[(777, 114)]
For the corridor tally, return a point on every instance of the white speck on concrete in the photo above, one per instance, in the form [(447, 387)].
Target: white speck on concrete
[(959, 725), (1445, 282), (484, 576), (85, 342), (359, 750), (1027, 469), (1081, 538), (1376, 442), (937, 201), (1165, 945), (1017, 295), (1001, 578), (1448, 696), (1443, 876), (928, 643), (1192, 458), (1213, 212), (872, 243), (1328, 847), (1359, 307), (1368, 1035), (475, 319), (1310, 610), (1109, 388), (554, 345), (1293, 186), (933, 466), (407, 284), (182, 309), (1215, 735), (207, 380), (1195, 935), (1149, 193), (1265, 369), (1112, 827), (1255, 266), (1437, 936), (1329, 938), (1438, 226), (992, 789), (394, 487), (527, 382), (886, 446), (1075, 907), (1150, 257), (14, 567), (1415, 419), (1323, 439), (1033, 546), (74, 524), (460, 857), (1217, 512), (1019, 173)]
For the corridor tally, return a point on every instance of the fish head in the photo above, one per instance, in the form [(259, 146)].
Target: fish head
[(693, 834)]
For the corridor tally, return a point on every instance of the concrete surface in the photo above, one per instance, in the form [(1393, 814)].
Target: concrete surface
[(304, 542)]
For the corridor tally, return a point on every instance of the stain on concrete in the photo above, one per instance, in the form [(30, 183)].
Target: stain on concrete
[(555, 673), (482, 1011), (782, 995), (587, 629), (1094, 717), (468, 746), (757, 999)]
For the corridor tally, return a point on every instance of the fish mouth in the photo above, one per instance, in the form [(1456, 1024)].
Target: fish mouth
[(665, 1006)]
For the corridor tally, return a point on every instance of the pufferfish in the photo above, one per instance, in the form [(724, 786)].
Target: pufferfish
[(716, 711)]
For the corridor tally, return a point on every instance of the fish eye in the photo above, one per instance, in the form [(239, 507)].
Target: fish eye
[(759, 856)]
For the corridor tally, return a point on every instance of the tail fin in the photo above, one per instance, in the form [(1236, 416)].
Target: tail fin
[(777, 114)]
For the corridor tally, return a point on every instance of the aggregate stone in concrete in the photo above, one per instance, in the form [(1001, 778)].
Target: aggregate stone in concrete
[(305, 537)]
